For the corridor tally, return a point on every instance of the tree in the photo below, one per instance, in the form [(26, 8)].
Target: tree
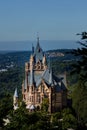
[(5, 107), (69, 119), (56, 120), (45, 105), (81, 65), (22, 119), (19, 119), (79, 95)]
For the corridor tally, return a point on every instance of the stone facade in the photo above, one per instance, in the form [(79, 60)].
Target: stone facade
[(40, 83)]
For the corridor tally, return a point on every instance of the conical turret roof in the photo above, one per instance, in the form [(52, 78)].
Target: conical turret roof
[(38, 52), (16, 93)]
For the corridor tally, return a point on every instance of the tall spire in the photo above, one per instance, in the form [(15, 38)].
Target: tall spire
[(38, 48), (37, 39), (38, 53), (38, 45), (32, 49)]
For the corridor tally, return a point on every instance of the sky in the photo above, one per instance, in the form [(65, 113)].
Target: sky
[(53, 20)]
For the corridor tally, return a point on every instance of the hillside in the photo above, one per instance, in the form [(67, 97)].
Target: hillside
[(12, 67)]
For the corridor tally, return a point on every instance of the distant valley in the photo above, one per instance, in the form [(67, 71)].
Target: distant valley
[(12, 67)]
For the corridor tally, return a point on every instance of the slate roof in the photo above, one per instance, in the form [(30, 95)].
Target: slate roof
[(49, 78), (38, 53)]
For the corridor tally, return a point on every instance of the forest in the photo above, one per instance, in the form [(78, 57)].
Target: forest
[(74, 63)]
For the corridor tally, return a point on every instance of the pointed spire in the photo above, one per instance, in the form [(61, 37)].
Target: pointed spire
[(37, 39), (38, 45), (38, 53), (16, 93)]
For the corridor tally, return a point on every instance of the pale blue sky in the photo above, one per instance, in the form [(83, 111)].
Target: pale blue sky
[(20, 20)]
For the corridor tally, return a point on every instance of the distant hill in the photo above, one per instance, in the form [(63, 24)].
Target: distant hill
[(18, 58), (12, 67)]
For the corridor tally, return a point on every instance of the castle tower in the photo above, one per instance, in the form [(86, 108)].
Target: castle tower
[(44, 60), (40, 83), (32, 49), (31, 62), (15, 99), (38, 52)]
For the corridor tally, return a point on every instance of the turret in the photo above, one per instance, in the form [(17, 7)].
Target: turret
[(38, 48), (31, 62), (38, 53), (44, 60), (32, 49), (38, 41), (15, 99)]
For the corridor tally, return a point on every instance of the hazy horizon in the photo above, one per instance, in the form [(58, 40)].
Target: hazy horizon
[(45, 45)]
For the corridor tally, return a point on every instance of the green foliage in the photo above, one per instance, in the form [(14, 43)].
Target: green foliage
[(79, 97), (13, 78), (21, 119), (6, 105), (81, 66), (69, 120), (10, 80), (56, 120), (18, 119), (45, 105)]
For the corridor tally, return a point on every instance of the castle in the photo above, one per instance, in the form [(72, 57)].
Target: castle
[(40, 83)]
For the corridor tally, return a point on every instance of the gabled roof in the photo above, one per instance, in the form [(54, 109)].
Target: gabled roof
[(53, 80), (49, 78)]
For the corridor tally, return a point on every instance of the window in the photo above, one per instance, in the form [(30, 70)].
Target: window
[(30, 98), (42, 88), (38, 98)]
